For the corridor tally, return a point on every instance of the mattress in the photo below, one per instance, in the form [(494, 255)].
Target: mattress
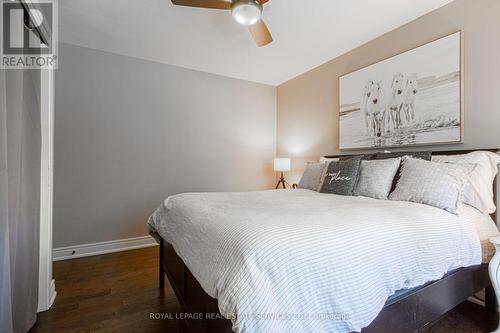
[(302, 261)]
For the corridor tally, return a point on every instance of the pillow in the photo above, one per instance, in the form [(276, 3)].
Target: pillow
[(479, 191), (424, 155), (341, 177), (435, 184), (323, 159), (312, 176), (375, 177)]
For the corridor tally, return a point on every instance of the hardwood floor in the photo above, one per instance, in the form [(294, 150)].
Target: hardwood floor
[(118, 292)]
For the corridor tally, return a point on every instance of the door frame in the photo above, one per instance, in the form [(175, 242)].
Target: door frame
[(46, 283)]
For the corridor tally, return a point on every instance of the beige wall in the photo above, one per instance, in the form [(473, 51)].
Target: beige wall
[(308, 104)]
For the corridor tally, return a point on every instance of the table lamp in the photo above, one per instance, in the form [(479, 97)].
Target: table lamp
[(282, 165)]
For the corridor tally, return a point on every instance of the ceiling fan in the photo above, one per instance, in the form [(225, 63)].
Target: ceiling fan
[(245, 12)]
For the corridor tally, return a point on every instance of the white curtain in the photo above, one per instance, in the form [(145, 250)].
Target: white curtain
[(19, 198)]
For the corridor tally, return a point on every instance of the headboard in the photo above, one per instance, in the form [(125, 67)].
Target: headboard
[(445, 152)]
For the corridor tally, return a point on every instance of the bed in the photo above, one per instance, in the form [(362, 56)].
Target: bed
[(375, 269)]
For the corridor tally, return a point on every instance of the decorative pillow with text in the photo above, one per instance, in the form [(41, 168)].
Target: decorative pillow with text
[(341, 177)]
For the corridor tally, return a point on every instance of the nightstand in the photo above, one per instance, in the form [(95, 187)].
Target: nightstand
[(494, 270)]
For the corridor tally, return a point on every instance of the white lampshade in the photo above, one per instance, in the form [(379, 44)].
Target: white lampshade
[(281, 164)]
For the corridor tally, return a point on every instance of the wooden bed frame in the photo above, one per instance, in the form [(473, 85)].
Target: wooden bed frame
[(411, 312)]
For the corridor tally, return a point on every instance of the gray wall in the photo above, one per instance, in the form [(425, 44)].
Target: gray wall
[(129, 132), (308, 104)]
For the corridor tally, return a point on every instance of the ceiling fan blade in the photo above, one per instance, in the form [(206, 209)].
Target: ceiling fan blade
[(260, 33), (214, 4), (262, 1)]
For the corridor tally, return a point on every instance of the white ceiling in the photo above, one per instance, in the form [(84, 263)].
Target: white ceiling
[(306, 33)]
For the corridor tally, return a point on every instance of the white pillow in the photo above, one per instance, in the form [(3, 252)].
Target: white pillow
[(479, 192), (328, 160)]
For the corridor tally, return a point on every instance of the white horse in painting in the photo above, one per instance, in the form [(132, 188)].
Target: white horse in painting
[(374, 109), (395, 101), (410, 94), (362, 106)]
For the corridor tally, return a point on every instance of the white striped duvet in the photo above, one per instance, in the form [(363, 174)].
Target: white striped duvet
[(302, 261)]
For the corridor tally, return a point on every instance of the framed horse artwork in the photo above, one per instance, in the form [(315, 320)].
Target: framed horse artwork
[(411, 99)]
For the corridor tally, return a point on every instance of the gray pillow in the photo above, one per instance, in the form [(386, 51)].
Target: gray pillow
[(423, 155), (341, 177), (435, 184), (312, 176), (376, 176)]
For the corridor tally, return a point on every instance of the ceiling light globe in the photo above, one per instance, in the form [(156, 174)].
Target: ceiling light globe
[(246, 13)]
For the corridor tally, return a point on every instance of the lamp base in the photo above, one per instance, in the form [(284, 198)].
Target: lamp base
[(282, 181)]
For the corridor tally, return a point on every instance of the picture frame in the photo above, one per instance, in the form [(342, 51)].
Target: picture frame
[(377, 109)]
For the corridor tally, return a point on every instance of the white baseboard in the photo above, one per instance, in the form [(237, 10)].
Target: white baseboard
[(86, 250)]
